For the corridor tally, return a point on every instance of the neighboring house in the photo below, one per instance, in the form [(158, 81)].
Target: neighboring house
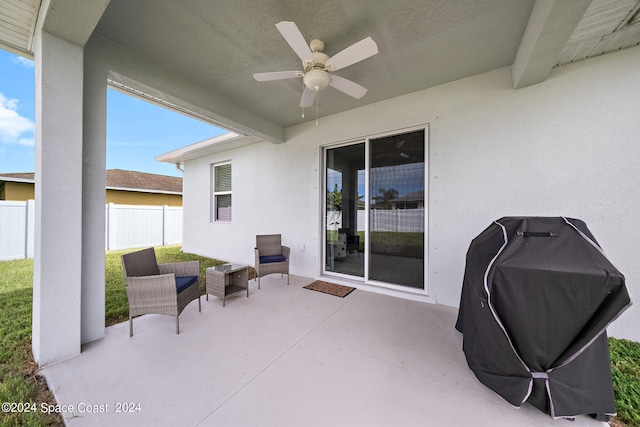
[(493, 108), (17, 186), (413, 200), (123, 187)]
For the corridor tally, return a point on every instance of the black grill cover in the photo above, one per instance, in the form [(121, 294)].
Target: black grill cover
[(537, 296)]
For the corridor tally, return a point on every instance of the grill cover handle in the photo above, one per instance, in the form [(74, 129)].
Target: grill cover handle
[(537, 234)]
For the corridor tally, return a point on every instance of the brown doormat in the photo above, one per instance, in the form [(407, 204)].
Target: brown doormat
[(330, 288)]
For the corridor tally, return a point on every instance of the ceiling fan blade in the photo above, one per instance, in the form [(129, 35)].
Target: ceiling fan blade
[(277, 75), (294, 37), (348, 87), (308, 96), (354, 53)]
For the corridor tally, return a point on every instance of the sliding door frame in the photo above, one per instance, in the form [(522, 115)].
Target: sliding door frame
[(367, 197)]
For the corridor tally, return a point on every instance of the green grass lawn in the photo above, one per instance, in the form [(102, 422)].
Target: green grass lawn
[(625, 368), (20, 382)]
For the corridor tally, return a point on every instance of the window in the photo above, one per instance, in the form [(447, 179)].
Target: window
[(222, 192)]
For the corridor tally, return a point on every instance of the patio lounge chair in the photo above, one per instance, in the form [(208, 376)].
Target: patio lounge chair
[(271, 256), (159, 288)]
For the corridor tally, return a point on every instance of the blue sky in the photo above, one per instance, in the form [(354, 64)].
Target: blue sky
[(136, 130)]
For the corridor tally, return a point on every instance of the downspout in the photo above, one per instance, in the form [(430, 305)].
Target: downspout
[(179, 168)]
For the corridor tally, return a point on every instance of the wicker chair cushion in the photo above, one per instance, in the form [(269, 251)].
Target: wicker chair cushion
[(272, 258), (184, 282)]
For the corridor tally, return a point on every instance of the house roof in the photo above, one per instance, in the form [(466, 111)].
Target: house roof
[(416, 196), (26, 177), (421, 43), (226, 141), (118, 179)]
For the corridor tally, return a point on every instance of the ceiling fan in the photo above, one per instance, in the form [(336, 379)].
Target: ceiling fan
[(318, 67)]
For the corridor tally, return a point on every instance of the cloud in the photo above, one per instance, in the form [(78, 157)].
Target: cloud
[(13, 126), (24, 61), (27, 141)]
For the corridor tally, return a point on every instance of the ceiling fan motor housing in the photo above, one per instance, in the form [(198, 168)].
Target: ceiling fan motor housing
[(319, 61)]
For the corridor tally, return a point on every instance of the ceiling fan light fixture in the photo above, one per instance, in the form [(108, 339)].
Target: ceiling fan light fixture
[(316, 79)]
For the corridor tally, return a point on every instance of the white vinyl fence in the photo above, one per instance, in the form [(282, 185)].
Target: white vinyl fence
[(398, 220), (127, 226), (17, 225)]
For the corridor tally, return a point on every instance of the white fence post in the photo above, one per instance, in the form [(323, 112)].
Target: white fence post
[(31, 229), (111, 226), (165, 224)]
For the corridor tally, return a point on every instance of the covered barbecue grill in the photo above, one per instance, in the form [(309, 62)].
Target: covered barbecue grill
[(537, 296)]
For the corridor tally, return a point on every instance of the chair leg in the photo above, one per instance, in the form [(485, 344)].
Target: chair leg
[(199, 305), (287, 279), (177, 324), (258, 282), (130, 326)]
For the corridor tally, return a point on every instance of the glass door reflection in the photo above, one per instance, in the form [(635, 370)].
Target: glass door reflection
[(397, 209), (344, 214)]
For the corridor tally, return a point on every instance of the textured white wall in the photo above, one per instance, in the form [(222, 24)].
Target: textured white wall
[(568, 146)]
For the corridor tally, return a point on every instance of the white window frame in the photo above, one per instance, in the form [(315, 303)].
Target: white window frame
[(215, 194)]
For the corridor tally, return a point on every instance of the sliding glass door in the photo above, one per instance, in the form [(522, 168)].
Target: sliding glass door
[(344, 202), (396, 209), (375, 210)]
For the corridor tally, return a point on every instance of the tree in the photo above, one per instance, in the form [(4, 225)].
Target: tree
[(385, 196), (334, 199)]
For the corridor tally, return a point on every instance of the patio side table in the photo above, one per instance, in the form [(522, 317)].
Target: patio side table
[(227, 279)]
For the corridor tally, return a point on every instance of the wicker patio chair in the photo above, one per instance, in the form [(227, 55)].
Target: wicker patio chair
[(159, 288), (271, 256)]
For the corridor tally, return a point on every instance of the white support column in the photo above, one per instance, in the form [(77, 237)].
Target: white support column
[(58, 242), (93, 195)]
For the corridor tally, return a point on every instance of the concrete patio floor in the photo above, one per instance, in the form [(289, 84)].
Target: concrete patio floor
[(286, 356)]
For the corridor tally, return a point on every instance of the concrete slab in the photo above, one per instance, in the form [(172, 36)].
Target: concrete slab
[(285, 356)]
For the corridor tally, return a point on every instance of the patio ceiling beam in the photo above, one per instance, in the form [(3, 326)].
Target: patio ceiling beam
[(550, 26), (71, 20), (137, 73)]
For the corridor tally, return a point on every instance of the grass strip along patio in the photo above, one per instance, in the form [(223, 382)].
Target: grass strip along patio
[(20, 382)]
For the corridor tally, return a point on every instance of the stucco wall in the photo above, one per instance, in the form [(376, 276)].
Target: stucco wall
[(140, 198), (568, 146), (18, 191)]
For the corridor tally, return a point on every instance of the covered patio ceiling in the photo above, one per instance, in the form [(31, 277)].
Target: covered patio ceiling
[(422, 43)]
